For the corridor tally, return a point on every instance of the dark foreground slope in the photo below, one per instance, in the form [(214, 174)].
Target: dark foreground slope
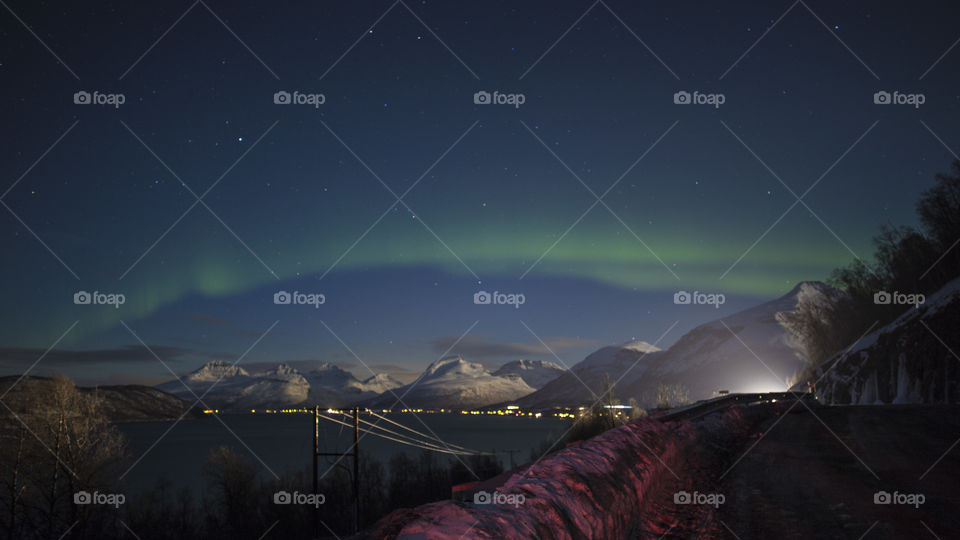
[(620, 484), (911, 360), (787, 469), (122, 403), (807, 479)]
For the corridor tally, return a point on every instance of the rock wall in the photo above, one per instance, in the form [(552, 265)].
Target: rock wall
[(912, 360)]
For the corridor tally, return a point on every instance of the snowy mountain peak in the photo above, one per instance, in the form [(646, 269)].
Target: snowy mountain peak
[(232, 387), (455, 382), (379, 383), (807, 286), (327, 366), (535, 373), (640, 346), (215, 370), (812, 291), (527, 365), (453, 366), (283, 369), (380, 378)]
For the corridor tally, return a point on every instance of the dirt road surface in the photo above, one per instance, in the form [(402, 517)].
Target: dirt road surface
[(816, 475)]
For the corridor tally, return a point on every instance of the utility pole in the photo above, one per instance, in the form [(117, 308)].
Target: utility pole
[(316, 455), (356, 465), (354, 453), (511, 452)]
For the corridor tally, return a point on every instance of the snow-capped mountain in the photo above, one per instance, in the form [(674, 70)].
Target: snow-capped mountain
[(215, 370), (584, 381), (453, 382), (910, 360), (748, 351), (751, 351), (333, 386), (216, 382), (282, 385), (379, 383), (536, 373), (229, 386)]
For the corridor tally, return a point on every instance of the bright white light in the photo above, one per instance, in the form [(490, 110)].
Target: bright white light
[(761, 386)]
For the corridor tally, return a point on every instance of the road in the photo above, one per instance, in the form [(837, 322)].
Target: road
[(814, 475)]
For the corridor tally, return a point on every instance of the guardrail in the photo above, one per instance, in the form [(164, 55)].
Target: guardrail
[(703, 408)]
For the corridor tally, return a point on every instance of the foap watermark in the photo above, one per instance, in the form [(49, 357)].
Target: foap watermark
[(83, 97), (298, 298), (698, 98), (511, 499), (97, 298), (910, 499), (108, 499), (898, 298), (498, 298), (282, 97), (699, 298), (311, 499), (883, 97), (483, 97), (711, 499)]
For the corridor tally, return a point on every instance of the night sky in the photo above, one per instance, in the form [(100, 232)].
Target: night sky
[(494, 197)]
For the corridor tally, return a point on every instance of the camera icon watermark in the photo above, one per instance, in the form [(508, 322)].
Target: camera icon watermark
[(897, 298), (282, 97), (710, 499), (482, 97), (909, 499), (683, 97), (284, 298), (311, 499), (84, 298), (684, 298), (108, 499), (883, 97), (511, 499), (483, 298), (82, 97)]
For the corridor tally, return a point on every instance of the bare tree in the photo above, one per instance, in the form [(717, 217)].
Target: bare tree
[(672, 395), (57, 441)]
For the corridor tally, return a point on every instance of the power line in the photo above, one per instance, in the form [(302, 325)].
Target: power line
[(431, 440), (422, 444), (381, 417), (374, 425)]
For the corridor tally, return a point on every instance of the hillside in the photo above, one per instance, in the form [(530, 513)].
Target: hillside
[(453, 382), (910, 360), (122, 403), (749, 351)]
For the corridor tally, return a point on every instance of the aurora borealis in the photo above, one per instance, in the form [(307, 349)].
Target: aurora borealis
[(296, 191)]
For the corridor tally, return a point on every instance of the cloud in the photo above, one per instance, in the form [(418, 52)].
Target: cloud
[(21, 358), (120, 379), (472, 347)]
